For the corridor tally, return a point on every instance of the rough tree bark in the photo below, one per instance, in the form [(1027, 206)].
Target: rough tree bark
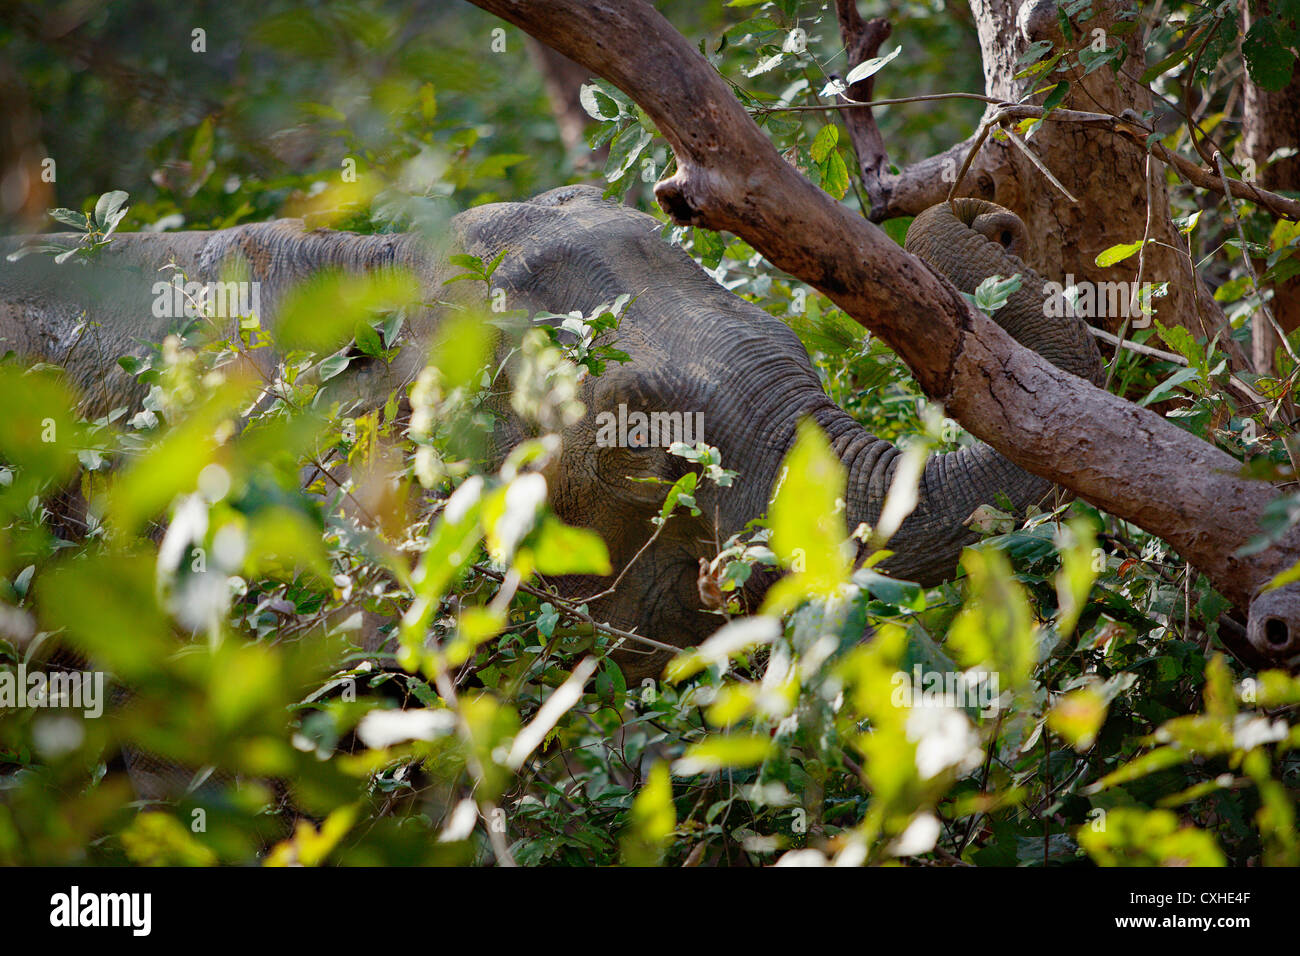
[(1271, 121), (730, 177), (1110, 185)]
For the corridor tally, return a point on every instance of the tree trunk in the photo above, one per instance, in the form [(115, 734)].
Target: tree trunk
[(1104, 172), (1271, 121)]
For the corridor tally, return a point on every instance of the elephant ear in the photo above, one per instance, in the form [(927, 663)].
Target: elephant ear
[(969, 240)]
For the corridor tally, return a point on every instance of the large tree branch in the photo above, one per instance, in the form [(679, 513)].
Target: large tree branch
[(1122, 458)]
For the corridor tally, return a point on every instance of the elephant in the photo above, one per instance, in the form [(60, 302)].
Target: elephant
[(696, 347), (695, 350)]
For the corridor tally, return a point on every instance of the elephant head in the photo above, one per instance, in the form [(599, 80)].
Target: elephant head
[(698, 350), (699, 356)]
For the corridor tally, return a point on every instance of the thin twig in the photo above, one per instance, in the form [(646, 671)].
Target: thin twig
[(1245, 257), (1127, 126), (571, 611), (1142, 260), (970, 157), (1042, 167), (627, 567), (1247, 392)]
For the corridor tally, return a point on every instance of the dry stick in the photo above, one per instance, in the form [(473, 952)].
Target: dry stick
[(1279, 206), (865, 104), (1130, 127), (970, 156), (627, 567), (1010, 111), (572, 611), (1042, 167), (1142, 260), (1137, 347), (1164, 356), (1187, 88)]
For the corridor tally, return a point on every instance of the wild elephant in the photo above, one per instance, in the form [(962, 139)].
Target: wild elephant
[(695, 350)]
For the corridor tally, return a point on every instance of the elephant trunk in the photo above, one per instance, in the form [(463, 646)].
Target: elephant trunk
[(967, 241)]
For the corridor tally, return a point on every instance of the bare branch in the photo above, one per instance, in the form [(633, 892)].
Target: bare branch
[(918, 185)]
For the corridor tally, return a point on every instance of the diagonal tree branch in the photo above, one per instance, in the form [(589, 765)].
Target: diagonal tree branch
[(1121, 458)]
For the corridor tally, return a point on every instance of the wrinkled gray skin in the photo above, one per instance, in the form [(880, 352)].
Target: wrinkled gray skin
[(697, 347), (694, 347)]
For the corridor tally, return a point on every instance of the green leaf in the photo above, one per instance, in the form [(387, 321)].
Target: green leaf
[(824, 142), (1168, 63), (1075, 578), (323, 312), (109, 211), (1136, 837), (624, 150), (682, 492), (173, 464), (1181, 341), (1035, 51), (994, 629), (283, 539), (557, 548), (870, 67), (1283, 578), (734, 638), (39, 432), (1108, 257), (653, 820), (37, 248), (766, 64), (723, 752), (597, 104), (1057, 96), (367, 340), (452, 545), (993, 293), (76, 220), (1168, 385), (709, 246), (1078, 716), (807, 522), (896, 229), (1268, 61), (333, 366), (462, 346), (108, 606), (835, 175)]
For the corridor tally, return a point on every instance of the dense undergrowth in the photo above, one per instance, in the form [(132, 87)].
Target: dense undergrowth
[(1091, 715)]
